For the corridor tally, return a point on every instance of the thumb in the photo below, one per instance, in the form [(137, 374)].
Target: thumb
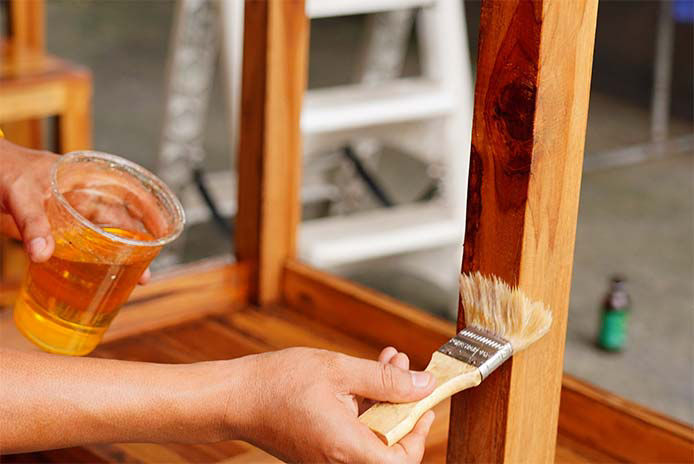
[(26, 208), (386, 382)]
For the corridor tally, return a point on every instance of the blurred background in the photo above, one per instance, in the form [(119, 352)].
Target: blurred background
[(386, 123)]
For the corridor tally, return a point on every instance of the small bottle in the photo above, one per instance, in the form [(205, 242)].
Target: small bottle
[(615, 317)]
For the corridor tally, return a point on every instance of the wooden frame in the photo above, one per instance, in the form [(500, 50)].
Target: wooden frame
[(266, 271), (34, 85)]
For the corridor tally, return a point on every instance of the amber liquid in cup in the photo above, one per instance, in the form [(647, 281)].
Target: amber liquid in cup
[(67, 303)]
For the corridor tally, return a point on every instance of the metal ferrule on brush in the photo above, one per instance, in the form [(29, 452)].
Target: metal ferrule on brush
[(478, 348)]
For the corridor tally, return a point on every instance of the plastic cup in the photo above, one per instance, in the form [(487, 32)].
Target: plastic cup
[(110, 218)]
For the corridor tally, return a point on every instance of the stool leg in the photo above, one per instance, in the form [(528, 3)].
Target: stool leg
[(25, 133), (74, 124)]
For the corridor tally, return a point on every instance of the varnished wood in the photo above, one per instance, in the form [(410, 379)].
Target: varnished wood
[(531, 104), (248, 330), (185, 295), (274, 78), (342, 304), (26, 34), (33, 86), (626, 431), (27, 133), (26, 24), (75, 121)]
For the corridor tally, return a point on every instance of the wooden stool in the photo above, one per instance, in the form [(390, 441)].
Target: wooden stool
[(34, 86)]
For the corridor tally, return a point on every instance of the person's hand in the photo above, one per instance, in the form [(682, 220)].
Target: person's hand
[(25, 177), (302, 405)]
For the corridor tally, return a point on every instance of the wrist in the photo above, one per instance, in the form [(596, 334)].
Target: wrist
[(201, 392)]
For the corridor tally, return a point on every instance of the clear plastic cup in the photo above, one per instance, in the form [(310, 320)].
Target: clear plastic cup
[(109, 218)]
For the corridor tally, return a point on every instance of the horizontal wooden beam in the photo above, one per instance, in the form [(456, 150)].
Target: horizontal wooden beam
[(183, 295), (626, 431), (175, 297), (364, 313)]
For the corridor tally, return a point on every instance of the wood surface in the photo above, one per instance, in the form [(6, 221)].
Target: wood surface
[(75, 121), (269, 165), (26, 33), (628, 432), (240, 332), (391, 422), (531, 104), (345, 305), (26, 24), (35, 86)]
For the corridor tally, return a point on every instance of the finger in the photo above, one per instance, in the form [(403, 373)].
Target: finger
[(385, 382), (411, 447), (387, 354), (401, 361), (391, 356), (145, 277), (26, 207)]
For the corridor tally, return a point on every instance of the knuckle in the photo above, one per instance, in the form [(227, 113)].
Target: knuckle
[(395, 379), (387, 378), (337, 452), (28, 221)]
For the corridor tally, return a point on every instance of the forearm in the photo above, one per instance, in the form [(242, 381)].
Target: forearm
[(49, 401)]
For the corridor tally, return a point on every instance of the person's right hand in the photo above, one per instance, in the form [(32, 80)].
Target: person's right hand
[(302, 405)]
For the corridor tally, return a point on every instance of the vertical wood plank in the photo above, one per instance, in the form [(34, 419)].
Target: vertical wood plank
[(74, 122), (26, 31), (27, 24), (531, 104), (269, 165)]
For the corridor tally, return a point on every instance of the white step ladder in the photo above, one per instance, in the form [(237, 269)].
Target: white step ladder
[(428, 117)]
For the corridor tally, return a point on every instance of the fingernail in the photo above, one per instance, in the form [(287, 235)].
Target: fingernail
[(36, 246), (420, 379)]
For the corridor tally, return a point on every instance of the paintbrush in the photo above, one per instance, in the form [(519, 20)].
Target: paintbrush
[(500, 320)]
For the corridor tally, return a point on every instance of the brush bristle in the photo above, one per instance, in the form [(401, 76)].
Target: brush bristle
[(495, 306)]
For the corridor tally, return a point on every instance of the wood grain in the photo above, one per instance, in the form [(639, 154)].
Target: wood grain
[(274, 79), (189, 294), (531, 103), (250, 329), (342, 304), (605, 422)]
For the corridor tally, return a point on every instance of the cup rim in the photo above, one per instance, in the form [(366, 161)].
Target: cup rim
[(156, 181)]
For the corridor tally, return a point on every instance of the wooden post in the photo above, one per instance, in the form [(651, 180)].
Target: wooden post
[(531, 105), (269, 166), (26, 32), (75, 121), (26, 24)]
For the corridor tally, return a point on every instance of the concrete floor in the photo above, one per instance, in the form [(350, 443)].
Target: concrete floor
[(636, 220)]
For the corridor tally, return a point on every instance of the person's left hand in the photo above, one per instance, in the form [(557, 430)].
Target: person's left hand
[(25, 177)]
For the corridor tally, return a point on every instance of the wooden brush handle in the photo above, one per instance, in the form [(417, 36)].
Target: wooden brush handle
[(392, 421)]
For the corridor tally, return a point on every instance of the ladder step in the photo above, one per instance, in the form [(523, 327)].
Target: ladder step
[(340, 240), (328, 8), (355, 106)]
